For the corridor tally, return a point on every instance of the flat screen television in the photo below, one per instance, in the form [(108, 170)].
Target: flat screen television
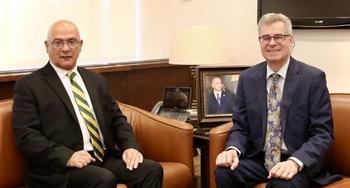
[(310, 13)]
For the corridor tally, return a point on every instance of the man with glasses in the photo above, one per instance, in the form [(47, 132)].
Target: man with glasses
[(67, 124), (282, 118)]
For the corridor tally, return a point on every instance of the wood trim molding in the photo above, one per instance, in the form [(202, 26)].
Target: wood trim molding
[(138, 83), (112, 67)]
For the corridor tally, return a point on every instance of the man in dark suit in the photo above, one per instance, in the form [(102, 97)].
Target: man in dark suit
[(66, 124), (282, 118), (220, 100)]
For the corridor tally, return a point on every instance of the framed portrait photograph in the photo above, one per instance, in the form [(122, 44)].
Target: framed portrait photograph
[(216, 90)]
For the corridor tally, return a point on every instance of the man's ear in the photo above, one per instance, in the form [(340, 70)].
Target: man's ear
[(292, 45), (291, 39), (81, 44), (292, 42), (47, 46)]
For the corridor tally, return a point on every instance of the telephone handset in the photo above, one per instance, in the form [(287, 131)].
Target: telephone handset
[(157, 108)]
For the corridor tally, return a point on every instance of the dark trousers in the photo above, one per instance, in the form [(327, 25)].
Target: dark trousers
[(251, 171), (149, 174)]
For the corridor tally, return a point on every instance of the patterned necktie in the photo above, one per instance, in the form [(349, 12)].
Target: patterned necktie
[(218, 98), (273, 140), (86, 113)]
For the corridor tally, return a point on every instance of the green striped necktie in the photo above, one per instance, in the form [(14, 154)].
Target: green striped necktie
[(87, 114)]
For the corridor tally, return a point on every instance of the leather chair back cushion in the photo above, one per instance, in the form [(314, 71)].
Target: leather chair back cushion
[(153, 149), (339, 153), (11, 162)]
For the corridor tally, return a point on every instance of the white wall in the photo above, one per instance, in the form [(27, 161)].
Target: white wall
[(329, 51), (159, 17), (106, 26), (325, 49)]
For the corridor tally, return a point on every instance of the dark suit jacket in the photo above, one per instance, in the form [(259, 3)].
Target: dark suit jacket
[(307, 126), (226, 105), (46, 127)]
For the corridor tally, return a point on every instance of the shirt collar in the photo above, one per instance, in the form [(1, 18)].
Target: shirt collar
[(62, 72), (217, 92), (282, 72)]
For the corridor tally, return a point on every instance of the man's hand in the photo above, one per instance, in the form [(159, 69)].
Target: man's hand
[(284, 170), (228, 159), (132, 158), (80, 159)]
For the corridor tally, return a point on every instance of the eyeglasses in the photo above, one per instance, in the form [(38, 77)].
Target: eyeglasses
[(71, 43), (278, 38)]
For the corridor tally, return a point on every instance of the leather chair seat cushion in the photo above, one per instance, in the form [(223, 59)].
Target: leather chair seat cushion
[(344, 183), (175, 175), (121, 186), (260, 185)]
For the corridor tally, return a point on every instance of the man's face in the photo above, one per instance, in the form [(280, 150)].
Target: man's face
[(216, 84), (275, 43), (63, 45)]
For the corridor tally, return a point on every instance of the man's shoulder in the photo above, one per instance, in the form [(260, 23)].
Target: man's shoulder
[(36, 74), (255, 70), (228, 92), (305, 68), (87, 72), (92, 77)]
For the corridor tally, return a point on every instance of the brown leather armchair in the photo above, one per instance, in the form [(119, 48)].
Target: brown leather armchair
[(169, 142), (337, 157)]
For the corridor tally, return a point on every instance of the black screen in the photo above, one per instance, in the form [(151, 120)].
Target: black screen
[(310, 13), (177, 97)]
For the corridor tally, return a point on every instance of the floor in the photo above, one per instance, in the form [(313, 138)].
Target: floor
[(197, 172)]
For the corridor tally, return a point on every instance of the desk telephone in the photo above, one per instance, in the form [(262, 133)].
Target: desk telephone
[(176, 102), (178, 114)]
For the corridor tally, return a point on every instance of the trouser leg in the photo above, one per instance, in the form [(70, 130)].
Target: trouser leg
[(149, 174), (91, 176)]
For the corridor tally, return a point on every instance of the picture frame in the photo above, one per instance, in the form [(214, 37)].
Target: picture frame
[(211, 82)]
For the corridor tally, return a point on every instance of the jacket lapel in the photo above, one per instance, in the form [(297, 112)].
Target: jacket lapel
[(93, 94), (290, 85), (259, 84), (51, 78)]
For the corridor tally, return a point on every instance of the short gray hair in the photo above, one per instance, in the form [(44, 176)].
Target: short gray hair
[(271, 18)]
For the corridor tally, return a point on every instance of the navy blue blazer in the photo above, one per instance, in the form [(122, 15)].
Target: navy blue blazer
[(226, 104), (307, 126)]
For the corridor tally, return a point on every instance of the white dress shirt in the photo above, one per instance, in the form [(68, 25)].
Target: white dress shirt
[(63, 75)]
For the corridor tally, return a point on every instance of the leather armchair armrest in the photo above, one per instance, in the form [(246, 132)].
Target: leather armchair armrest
[(217, 140), (161, 139), (12, 166)]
